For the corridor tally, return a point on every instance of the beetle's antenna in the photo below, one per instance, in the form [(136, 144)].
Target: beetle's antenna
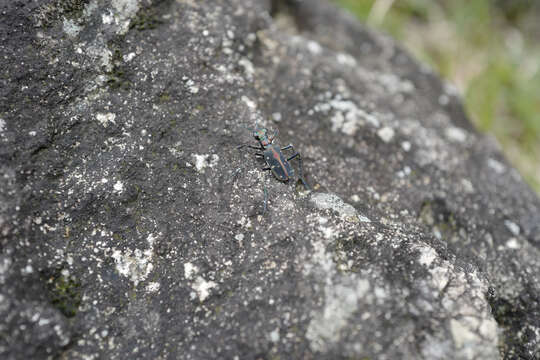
[(248, 128)]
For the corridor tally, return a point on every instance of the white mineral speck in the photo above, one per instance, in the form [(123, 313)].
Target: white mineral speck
[(444, 100), (314, 47), (406, 145), (513, 243), (250, 103), (345, 59), (274, 335), (118, 187), (250, 38), (153, 287), (455, 134), (496, 165), (386, 134), (249, 70), (512, 226), (129, 57), (192, 87), (239, 237), (276, 117)]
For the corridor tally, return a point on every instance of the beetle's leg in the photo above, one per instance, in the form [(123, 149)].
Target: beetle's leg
[(295, 155), (249, 146), (259, 155), (300, 169), (288, 147), (266, 168)]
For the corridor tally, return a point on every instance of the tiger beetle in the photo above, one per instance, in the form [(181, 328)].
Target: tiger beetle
[(274, 158)]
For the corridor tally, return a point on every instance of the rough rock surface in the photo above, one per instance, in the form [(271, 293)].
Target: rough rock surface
[(132, 227)]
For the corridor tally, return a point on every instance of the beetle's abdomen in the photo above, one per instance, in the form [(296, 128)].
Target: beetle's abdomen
[(277, 163)]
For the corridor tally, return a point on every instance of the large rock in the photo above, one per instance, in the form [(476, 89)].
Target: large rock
[(132, 227)]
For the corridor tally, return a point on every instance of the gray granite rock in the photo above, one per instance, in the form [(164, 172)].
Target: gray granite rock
[(132, 227)]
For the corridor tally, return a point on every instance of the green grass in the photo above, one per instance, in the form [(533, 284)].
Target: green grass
[(487, 48)]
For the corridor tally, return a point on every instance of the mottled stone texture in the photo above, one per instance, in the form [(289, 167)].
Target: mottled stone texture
[(132, 227)]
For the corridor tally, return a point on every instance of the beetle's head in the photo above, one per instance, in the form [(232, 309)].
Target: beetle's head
[(260, 134)]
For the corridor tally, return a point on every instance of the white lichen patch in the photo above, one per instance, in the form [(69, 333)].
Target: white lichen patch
[(473, 328), (395, 84), (124, 11), (105, 119), (99, 52), (325, 201), (205, 160), (467, 186), (343, 293), (341, 301), (135, 265), (71, 28), (347, 117), (107, 18), (430, 147), (202, 287), (190, 270)]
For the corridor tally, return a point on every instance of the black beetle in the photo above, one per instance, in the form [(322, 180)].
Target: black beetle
[(275, 160)]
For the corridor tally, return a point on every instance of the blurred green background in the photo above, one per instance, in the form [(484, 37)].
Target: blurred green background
[(489, 49)]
